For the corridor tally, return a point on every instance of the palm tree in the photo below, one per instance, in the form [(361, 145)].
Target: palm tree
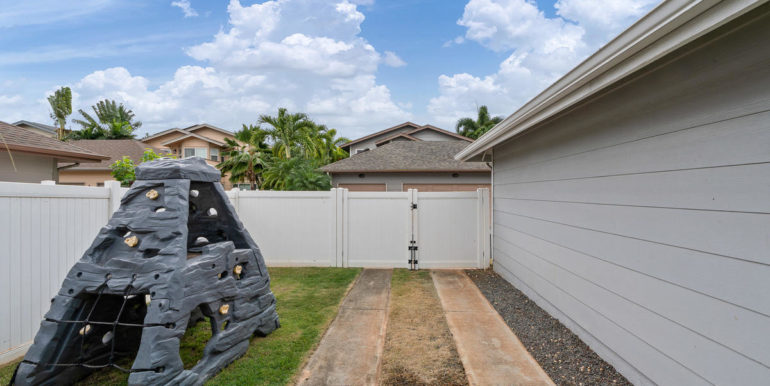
[(289, 132), (111, 121), (474, 129), (117, 129), (295, 174), (245, 158), (327, 145), (61, 108)]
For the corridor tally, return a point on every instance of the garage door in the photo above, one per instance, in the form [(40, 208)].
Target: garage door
[(445, 187), (363, 187)]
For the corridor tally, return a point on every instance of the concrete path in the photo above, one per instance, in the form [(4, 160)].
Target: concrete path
[(350, 351), (491, 353)]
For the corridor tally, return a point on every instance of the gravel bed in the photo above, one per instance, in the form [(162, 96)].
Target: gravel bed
[(563, 356)]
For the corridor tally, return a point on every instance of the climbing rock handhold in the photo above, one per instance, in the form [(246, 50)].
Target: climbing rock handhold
[(131, 241), (152, 194)]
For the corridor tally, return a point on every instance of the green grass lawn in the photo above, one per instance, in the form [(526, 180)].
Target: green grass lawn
[(308, 299)]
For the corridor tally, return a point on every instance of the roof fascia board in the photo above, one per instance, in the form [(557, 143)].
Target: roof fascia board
[(381, 132), (440, 131), (668, 27), (206, 125), (188, 135), (41, 126), (164, 132), (61, 154), (404, 135)]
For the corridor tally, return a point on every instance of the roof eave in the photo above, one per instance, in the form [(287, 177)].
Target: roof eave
[(407, 171), (59, 154), (666, 28), (193, 135)]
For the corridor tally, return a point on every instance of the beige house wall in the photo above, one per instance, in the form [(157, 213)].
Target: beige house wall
[(212, 134), (157, 142), (177, 148), (84, 177)]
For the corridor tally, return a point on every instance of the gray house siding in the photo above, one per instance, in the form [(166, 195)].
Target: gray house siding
[(394, 182), (641, 218), (30, 168), (371, 143), (430, 135)]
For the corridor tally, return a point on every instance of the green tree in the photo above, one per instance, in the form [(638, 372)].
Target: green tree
[(295, 174), (61, 108), (290, 133), (476, 128), (327, 145), (245, 158), (123, 170), (110, 121)]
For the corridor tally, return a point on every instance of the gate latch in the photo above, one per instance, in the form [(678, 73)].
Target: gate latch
[(414, 206)]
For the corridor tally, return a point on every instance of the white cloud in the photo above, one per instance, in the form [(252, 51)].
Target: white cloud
[(456, 41), (18, 13), (541, 49), (391, 59), (305, 55), (186, 8)]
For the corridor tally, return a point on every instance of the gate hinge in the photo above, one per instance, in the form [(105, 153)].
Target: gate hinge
[(412, 247), (410, 261)]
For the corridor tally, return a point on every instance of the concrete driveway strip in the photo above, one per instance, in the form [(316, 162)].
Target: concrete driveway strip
[(350, 351), (491, 353)]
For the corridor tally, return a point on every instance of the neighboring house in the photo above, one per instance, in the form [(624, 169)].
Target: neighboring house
[(34, 157), (201, 140), (632, 197), (47, 130), (408, 156), (95, 173), (406, 131)]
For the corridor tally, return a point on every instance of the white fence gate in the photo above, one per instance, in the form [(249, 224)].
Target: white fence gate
[(45, 229), (338, 228)]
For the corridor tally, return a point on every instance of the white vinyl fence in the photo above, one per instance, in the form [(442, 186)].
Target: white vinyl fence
[(46, 228)]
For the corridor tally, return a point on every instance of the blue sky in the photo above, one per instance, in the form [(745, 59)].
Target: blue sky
[(358, 65)]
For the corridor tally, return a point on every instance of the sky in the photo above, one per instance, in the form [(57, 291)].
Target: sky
[(355, 65)]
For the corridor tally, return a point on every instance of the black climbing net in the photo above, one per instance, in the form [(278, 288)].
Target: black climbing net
[(82, 360)]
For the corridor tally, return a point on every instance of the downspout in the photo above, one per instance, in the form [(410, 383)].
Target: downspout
[(491, 164), (69, 166)]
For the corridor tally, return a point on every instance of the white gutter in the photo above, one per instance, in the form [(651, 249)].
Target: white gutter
[(666, 28)]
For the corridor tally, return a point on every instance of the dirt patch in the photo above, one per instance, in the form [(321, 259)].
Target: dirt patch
[(563, 356), (419, 348)]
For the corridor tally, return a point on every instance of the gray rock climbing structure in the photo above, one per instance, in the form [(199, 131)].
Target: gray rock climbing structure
[(174, 249)]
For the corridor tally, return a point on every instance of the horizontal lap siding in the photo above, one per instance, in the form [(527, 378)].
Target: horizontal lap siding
[(641, 219)]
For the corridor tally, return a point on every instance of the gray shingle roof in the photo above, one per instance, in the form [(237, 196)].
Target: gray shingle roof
[(408, 156)]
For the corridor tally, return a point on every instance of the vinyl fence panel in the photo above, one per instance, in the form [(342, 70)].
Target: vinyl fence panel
[(44, 230), (291, 228)]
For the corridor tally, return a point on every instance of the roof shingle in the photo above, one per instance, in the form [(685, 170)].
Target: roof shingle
[(113, 148), (23, 140), (408, 156)]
